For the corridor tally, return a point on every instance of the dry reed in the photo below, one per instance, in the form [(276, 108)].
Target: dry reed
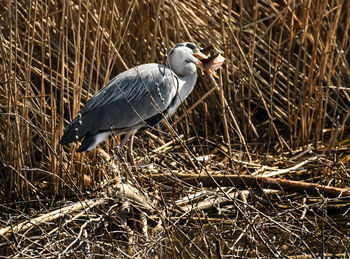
[(283, 97)]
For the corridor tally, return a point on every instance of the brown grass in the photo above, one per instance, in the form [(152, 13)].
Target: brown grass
[(283, 97)]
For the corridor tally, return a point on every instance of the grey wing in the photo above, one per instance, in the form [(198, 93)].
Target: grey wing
[(127, 102)]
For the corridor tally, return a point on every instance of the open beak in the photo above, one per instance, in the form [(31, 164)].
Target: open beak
[(200, 55), (209, 64)]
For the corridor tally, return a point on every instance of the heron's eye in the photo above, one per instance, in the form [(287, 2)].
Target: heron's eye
[(187, 61)]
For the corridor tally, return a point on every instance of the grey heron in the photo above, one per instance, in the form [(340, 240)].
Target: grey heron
[(141, 96)]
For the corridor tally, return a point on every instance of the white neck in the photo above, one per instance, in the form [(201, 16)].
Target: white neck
[(186, 85)]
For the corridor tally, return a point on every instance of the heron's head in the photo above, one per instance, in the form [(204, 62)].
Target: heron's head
[(183, 59)]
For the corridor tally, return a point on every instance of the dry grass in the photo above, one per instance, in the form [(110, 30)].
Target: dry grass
[(282, 100)]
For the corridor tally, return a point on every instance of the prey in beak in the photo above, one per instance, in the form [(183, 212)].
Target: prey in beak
[(211, 63)]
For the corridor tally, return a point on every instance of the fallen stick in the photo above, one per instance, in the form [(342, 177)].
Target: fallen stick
[(291, 169), (27, 224), (259, 182), (131, 193), (119, 190), (216, 201), (161, 148), (211, 202)]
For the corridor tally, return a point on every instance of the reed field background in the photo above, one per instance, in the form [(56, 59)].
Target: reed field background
[(254, 164)]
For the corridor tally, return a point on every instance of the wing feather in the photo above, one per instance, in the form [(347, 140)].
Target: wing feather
[(128, 100)]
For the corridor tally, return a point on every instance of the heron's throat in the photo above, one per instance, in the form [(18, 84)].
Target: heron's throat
[(186, 85)]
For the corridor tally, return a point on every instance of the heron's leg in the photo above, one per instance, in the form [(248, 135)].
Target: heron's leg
[(129, 154), (125, 138), (120, 147)]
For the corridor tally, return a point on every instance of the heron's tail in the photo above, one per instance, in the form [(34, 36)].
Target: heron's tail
[(91, 141), (71, 133), (86, 144)]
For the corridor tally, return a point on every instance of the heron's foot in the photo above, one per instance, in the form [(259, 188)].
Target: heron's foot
[(131, 160), (119, 153)]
